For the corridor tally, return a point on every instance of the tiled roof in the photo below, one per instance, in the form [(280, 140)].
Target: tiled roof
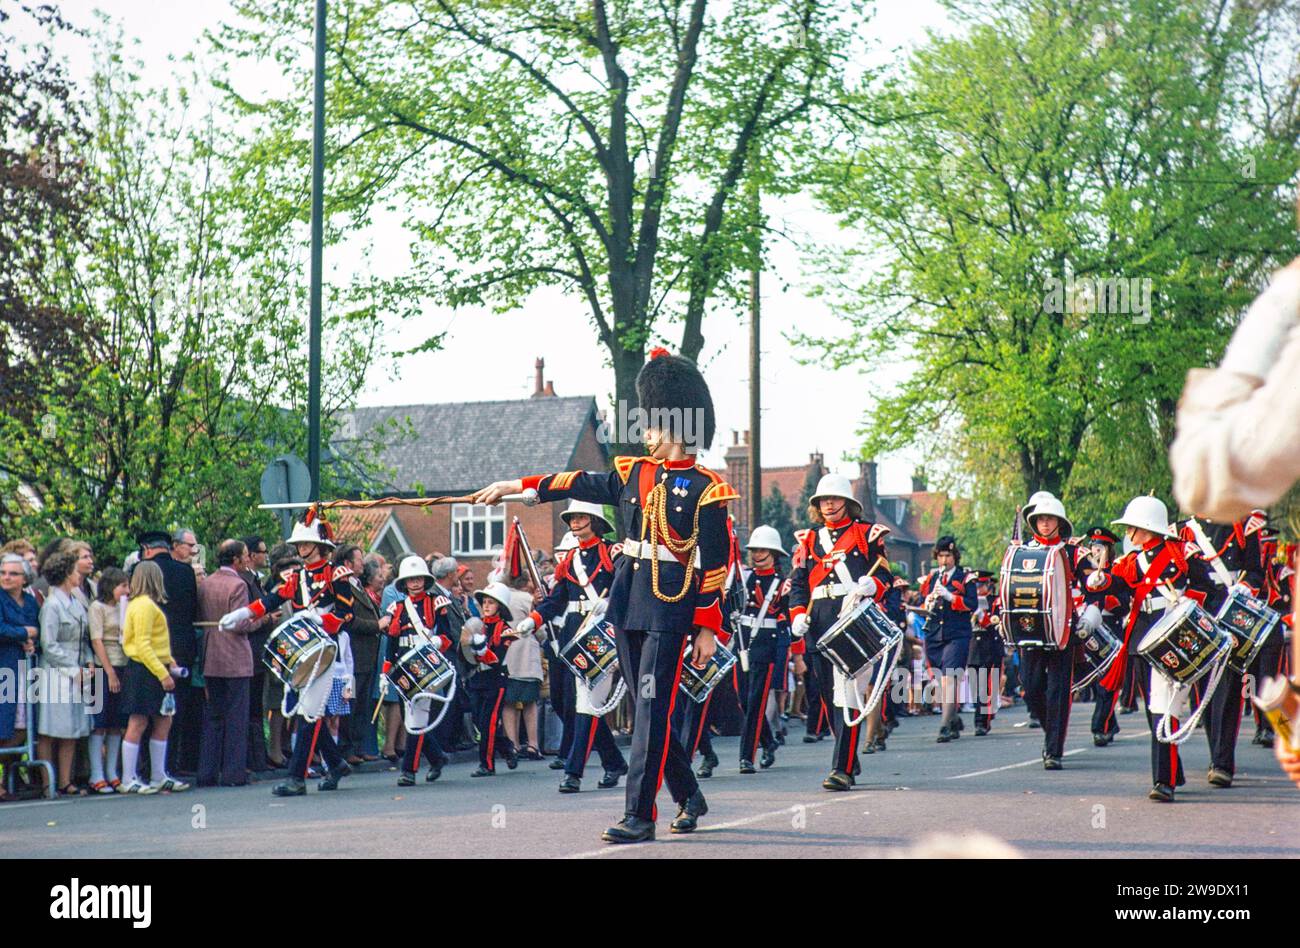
[(457, 447), (359, 526)]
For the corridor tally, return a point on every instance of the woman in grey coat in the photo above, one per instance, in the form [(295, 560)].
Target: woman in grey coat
[(66, 665)]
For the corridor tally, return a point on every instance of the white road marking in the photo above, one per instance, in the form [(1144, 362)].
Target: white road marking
[(1037, 760)]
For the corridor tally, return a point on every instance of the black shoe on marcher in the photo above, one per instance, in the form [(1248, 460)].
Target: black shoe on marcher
[(838, 780), (1052, 763), (512, 758), (1266, 740), (1219, 777), (747, 767), (630, 829), (1034, 722), (556, 764), (293, 787), (406, 780), (811, 738), (435, 771), (945, 735), (1161, 793), (483, 772), (768, 758), (1099, 740), (570, 784), (610, 778), (706, 768), (331, 780), (689, 813), (981, 730)]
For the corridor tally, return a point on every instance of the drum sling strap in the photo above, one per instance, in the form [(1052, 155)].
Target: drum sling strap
[(417, 623), (834, 551)]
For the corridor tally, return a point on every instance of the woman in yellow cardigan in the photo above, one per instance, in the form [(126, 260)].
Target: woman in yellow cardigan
[(149, 682)]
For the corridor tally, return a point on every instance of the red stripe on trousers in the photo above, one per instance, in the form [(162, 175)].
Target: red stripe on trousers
[(312, 750), (762, 714), (591, 739), (699, 731), (668, 736), (492, 731)]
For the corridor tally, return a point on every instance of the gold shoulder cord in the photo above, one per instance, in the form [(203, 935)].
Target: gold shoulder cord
[(654, 519)]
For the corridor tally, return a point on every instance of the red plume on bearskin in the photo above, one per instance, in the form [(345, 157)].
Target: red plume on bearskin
[(659, 352)]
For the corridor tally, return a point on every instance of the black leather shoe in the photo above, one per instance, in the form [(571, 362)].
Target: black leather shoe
[(981, 730), (747, 767), (331, 780), (630, 829), (1266, 740), (1099, 740), (1219, 777), (570, 784), (512, 758), (483, 772), (945, 735), (689, 813), (768, 758), (557, 764), (706, 768), (1161, 793), (434, 773), (611, 775), (293, 787), (838, 780), (810, 738), (1052, 763), (1034, 722), (406, 780)]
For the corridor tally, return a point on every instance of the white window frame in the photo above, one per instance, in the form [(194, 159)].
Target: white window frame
[(477, 513)]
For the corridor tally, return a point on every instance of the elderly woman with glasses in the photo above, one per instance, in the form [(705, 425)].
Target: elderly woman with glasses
[(19, 626)]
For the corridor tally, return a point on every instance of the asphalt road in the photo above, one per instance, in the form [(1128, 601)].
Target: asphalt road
[(977, 795)]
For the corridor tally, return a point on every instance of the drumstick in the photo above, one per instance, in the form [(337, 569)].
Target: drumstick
[(378, 704)]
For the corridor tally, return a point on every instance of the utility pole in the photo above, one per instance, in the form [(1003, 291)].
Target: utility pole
[(755, 399), (317, 214)]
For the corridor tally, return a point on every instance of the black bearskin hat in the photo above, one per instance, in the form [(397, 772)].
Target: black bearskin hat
[(674, 395), (948, 544)]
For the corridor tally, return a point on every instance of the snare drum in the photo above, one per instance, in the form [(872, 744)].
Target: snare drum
[(1100, 649), (698, 683), (1184, 644), (1035, 597), (858, 637), (299, 651), (1250, 622), (421, 671), (591, 654)]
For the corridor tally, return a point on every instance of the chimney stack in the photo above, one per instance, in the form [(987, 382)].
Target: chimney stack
[(539, 387)]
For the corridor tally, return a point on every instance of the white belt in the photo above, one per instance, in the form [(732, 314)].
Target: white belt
[(1155, 604), (583, 606), (830, 591), (751, 622), (644, 551)]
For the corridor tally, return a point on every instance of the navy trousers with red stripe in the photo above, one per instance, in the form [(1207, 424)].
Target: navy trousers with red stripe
[(652, 665), (313, 736), (1103, 711), (426, 745), (1046, 676), (755, 731), (487, 715), (695, 726), (817, 717), (589, 732), (1223, 720), (563, 700), (1166, 763), (845, 757)]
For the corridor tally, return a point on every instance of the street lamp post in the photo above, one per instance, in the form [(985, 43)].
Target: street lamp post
[(317, 213)]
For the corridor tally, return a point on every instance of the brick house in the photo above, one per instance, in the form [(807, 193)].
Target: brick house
[(449, 449), (913, 518)]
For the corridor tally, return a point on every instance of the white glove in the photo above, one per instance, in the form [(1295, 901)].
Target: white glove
[(799, 625), (1096, 579), (945, 592), (525, 625), (1262, 332), (1241, 588), (1091, 618), (232, 619), (600, 608), (868, 587)]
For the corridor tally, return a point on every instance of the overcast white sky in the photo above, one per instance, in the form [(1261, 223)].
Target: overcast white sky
[(805, 407)]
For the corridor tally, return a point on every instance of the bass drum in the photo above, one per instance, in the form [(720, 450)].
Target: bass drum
[(1035, 597)]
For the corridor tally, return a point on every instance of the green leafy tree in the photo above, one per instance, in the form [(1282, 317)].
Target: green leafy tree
[(194, 339), (1066, 164), (603, 148)]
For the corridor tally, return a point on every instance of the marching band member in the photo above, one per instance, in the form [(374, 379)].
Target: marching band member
[(766, 639), (1111, 597), (325, 590), (986, 654), (418, 617), (485, 648), (1047, 673), (561, 678), (1237, 545), (951, 598), (1158, 564), (843, 557), (582, 580), (667, 583)]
